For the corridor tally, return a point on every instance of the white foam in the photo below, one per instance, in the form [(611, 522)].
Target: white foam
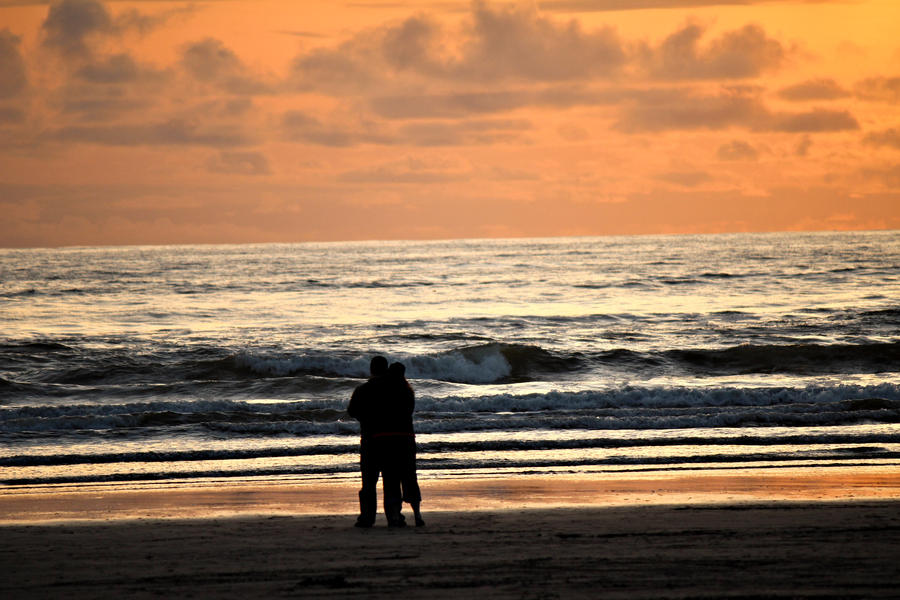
[(485, 366), (479, 365), (286, 366)]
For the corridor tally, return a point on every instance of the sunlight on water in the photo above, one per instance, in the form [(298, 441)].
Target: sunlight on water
[(195, 361)]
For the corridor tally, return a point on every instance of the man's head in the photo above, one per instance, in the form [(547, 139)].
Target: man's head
[(378, 366)]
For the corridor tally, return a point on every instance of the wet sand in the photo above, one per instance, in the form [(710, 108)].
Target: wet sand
[(739, 536)]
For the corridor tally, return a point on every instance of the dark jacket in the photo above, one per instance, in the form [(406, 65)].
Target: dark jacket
[(383, 405), (396, 418), (366, 403)]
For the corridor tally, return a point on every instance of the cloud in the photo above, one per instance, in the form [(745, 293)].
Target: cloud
[(518, 43), (11, 115), (814, 89), (5, 3), (879, 89), (685, 178), (298, 126), (172, 132), (818, 120), (745, 52), (621, 5), (547, 5), (117, 69), (504, 43), (473, 132), (105, 88), (504, 174), (408, 171), (412, 170), (803, 146), (73, 26), (737, 150), (888, 137), (684, 110), (464, 104), (71, 23), (134, 213), (100, 83), (239, 163), (889, 176), (733, 107), (13, 75), (301, 34), (449, 105), (109, 88), (175, 212), (209, 61), (102, 108), (133, 20), (350, 68), (572, 132), (415, 44)]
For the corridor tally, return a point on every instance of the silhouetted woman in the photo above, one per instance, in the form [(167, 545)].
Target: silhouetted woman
[(398, 447)]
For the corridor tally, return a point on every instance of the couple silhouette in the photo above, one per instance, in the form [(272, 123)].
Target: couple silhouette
[(384, 406)]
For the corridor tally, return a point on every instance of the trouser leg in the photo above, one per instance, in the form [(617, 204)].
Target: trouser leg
[(368, 495), (393, 502), (391, 473)]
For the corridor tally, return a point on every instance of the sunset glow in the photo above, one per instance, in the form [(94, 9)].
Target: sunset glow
[(279, 121)]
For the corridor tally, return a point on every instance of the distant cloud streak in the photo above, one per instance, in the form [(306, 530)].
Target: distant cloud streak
[(888, 137), (879, 89), (737, 150), (209, 61), (814, 89), (175, 132), (687, 111), (239, 163)]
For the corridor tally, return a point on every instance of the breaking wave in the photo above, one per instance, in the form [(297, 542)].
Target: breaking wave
[(484, 363)]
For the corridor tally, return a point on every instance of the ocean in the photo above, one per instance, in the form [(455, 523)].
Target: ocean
[(193, 365)]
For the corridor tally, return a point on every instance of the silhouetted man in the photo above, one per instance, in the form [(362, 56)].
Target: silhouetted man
[(366, 404)]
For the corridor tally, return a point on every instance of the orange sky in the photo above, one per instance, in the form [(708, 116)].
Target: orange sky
[(280, 121)]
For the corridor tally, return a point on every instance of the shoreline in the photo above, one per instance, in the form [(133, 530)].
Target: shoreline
[(220, 499)]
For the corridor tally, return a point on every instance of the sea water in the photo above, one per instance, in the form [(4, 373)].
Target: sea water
[(650, 354)]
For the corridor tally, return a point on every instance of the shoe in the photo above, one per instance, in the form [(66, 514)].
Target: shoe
[(420, 522), (396, 523), (363, 523)]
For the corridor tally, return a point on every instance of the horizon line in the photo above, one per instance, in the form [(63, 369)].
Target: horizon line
[(452, 239)]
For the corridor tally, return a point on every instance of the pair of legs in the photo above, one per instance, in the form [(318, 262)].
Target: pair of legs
[(400, 481), (394, 458)]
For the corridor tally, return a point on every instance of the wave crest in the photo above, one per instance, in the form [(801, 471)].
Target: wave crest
[(479, 364)]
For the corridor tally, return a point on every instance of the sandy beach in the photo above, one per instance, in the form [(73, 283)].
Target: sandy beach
[(798, 535)]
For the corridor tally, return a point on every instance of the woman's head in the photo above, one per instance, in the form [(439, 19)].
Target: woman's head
[(397, 369)]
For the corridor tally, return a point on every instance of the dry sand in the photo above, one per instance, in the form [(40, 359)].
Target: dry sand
[(800, 535)]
